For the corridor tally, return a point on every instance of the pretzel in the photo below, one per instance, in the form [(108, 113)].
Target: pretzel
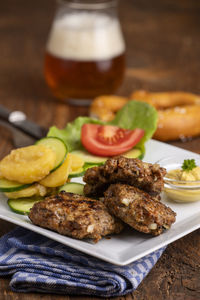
[(178, 112), (105, 107)]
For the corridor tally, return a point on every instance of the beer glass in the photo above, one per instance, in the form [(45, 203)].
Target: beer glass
[(85, 53)]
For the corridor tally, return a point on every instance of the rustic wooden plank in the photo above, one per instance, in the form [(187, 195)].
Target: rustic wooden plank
[(163, 49)]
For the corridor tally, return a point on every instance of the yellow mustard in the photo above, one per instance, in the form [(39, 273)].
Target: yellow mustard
[(184, 195), (178, 174)]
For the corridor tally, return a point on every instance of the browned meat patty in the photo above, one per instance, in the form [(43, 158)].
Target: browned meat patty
[(138, 209), (75, 216), (132, 171)]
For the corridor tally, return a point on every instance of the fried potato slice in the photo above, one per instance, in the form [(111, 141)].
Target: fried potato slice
[(77, 162), (35, 189), (60, 175), (28, 164)]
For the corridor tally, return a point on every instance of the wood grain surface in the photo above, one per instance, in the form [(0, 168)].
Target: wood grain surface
[(163, 47)]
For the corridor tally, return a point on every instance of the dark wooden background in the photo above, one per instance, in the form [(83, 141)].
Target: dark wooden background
[(163, 53)]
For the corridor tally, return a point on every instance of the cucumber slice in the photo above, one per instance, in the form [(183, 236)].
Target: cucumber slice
[(72, 187), (78, 173), (133, 153), (12, 186), (23, 205), (58, 146), (90, 159)]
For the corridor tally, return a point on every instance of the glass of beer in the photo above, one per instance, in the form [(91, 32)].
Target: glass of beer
[(85, 54)]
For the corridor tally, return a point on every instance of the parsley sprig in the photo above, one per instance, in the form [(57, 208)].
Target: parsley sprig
[(188, 165)]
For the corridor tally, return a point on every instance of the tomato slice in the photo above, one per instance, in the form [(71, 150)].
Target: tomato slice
[(109, 140)]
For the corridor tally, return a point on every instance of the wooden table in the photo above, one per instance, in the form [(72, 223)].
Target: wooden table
[(163, 48)]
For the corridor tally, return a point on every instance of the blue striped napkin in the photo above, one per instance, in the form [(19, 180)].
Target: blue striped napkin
[(38, 264)]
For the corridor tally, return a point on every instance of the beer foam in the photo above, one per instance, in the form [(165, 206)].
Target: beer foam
[(86, 36)]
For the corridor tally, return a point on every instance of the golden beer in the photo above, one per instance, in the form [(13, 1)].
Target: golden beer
[(69, 78), (85, 55)]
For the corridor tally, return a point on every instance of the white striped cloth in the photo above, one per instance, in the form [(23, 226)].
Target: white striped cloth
[(38, 264)]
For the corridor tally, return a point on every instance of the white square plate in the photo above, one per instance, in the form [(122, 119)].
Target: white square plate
[(129, 245)]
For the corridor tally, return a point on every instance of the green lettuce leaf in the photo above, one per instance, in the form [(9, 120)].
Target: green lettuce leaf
[(137, 114), (71, 134), (133, 115)]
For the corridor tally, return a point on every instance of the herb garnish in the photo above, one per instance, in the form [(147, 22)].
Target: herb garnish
[(188, 165)]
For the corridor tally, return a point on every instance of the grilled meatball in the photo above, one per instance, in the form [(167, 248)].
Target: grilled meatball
[(138, 209), (132, 171), (75, 216)]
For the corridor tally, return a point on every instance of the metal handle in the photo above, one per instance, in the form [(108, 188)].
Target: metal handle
[(24, 131), (18, 120)]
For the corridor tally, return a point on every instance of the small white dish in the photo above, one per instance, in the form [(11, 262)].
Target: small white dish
[(180, 190)]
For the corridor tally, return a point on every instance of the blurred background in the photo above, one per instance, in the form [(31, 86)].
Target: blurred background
[(162, 40)]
